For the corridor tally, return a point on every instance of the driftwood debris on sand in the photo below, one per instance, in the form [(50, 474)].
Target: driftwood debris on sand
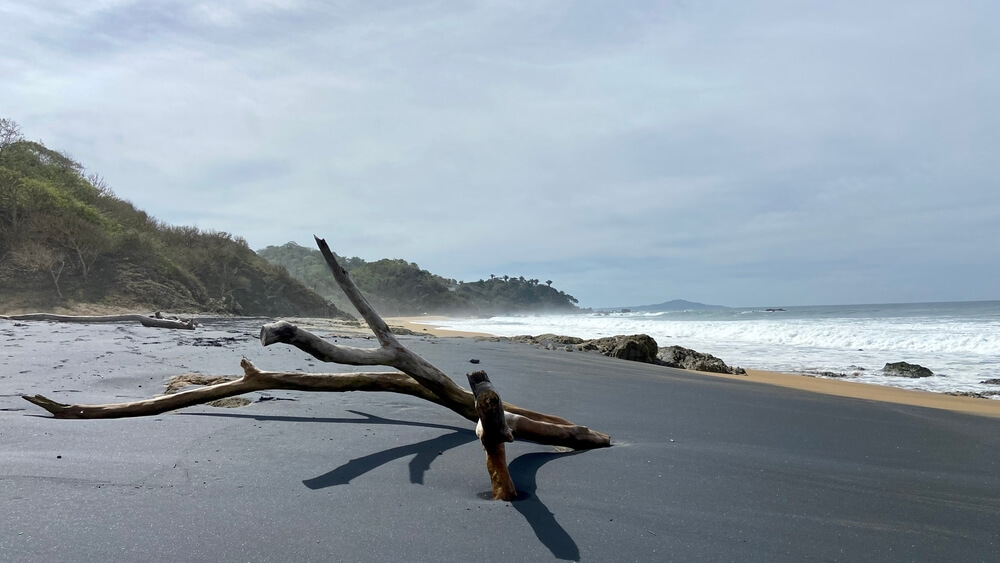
[(497, 422), (156, 321)]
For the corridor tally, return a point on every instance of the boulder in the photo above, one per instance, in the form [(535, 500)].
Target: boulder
[(685, 358), (904, 369), (548, 338), (636, 347)]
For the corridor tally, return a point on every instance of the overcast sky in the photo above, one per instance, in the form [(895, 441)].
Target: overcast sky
[(736, 153)]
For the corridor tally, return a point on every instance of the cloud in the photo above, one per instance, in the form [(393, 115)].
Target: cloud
[(776, 153)]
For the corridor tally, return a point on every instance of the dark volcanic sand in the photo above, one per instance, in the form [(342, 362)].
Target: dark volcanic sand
[(703, 469)]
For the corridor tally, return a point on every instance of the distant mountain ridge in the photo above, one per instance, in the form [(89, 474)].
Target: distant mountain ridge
[(675, 305)]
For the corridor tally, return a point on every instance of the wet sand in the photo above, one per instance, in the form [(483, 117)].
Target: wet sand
[(703, 468)]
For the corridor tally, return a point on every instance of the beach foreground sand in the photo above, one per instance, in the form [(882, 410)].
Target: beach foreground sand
[(703, 468)]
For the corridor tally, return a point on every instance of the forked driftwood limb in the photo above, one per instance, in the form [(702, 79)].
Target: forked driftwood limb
[(498, 422), (155, 321)]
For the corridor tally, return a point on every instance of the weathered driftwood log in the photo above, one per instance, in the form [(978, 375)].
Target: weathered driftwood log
[(493, 432), (156, 322), (566, 435), (253, 380), (499, 422)]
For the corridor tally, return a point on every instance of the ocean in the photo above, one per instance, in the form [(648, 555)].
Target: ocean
[(959, 342)]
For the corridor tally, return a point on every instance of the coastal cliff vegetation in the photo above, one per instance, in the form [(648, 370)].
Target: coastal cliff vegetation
[(67, 239), (397, 287)]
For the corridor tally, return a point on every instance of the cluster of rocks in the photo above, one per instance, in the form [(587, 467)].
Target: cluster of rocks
[(894, 369), (637, 348), (643, 348)]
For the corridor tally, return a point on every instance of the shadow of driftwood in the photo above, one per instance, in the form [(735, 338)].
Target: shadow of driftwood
[(423, 453), (368, 419), (524, 471)]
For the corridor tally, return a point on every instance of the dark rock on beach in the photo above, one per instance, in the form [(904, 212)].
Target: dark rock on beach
[(974, 394), (991, 382), (830, 374), (685, 358), (905, 369), (636, 347), (548, 338), (403, 331)]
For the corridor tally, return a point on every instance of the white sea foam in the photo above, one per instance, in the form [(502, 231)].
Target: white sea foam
[(961, 348)]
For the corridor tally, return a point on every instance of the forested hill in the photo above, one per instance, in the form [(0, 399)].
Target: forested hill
[(67, 239), (396, 287)]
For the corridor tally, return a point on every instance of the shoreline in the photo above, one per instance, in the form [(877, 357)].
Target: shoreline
[(416, 324), (848, 389)]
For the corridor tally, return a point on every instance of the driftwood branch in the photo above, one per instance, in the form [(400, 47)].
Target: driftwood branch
[(497, 422), (493, 432), (401, 358), (253, 379), (156, 322)]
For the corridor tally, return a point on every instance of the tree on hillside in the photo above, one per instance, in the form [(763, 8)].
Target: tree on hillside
[(14, 202), (85, 239), (36, 257), (10, 133)]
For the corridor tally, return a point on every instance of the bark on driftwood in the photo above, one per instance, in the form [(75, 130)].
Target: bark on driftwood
[(493, 432), (416, 377), (157, 321)]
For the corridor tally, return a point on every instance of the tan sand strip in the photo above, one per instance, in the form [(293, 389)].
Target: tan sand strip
[(416, 324), (872, 392)]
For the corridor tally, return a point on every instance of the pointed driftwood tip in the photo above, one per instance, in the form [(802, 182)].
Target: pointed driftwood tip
[(53, 407), (321, 243), (248, 368)]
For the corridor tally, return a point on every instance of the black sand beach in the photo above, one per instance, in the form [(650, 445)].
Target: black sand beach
[(703, 469)]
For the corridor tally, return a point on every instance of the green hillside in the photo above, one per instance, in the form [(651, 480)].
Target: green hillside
[(67, 239), (396, 287)]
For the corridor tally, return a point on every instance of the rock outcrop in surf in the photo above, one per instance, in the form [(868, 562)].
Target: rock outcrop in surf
[(685, 358), (635, 347)]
